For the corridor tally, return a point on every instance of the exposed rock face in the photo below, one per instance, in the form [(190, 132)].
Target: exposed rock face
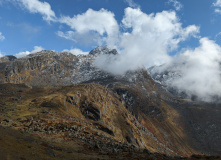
[(130, 108), (103, 50), (48, 68), (7, 58)]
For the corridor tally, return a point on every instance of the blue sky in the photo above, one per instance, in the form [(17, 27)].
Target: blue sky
[(28, 26)]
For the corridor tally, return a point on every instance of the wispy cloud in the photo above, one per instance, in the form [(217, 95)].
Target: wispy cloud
[(25, 53), (177, 5), (69, 35), (217, 3), (132, 4), (25, 27), (217, 6), (36, 6), (1, 55), (89, 38), (217, 35), (1, 37), (75, 51)]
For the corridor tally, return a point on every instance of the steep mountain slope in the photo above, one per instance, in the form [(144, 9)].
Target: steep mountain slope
[(58, 122), (200, 119), (88, 113), (130, 110)]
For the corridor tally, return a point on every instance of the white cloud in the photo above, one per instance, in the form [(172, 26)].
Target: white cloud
[(217, 3), (36, 6), (217, 10), (87, 39), (177, 5), (76, 51), (217, 6), (1, 37), (69, 35), (35, 50), (132, 4), (101, 22), (200, 71), (151, 38), (1, 55)]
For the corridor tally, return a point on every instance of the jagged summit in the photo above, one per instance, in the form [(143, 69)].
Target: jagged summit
[(103, 50), (49, 68), (7, 58)]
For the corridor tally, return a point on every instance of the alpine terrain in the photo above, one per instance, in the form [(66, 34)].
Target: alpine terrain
[(61, 106)]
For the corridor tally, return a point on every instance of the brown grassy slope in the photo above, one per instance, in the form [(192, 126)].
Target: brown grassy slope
[(155, 131), (68, 122), (72, 105)]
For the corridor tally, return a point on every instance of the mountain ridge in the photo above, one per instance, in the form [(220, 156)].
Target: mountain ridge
[(57, 79)]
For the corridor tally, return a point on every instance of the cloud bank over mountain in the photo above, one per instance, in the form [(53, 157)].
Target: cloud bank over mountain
[(149, 42), (197, 72), (143, 40)]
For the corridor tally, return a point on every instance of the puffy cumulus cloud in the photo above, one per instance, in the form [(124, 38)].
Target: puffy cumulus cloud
[(35, 50), (177, 5), (132, 4), (76, 51), (101, 22), (1, 37), (36, 6), (199, 70), (149, 41)]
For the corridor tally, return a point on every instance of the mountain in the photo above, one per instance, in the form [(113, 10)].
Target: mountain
[(66, 97), (7, 58), (189, 80)]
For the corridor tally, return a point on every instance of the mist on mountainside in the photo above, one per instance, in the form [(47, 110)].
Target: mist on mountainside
[(196, 72), (150, 45)]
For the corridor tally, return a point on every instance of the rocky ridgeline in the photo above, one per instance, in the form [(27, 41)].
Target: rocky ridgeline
[(7, 59), (48, 68)]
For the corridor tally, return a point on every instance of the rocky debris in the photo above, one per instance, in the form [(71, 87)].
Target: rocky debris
[(73, 131)]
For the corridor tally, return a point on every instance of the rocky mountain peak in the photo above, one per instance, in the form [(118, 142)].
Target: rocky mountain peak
[(7, 58), (103, 50)]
